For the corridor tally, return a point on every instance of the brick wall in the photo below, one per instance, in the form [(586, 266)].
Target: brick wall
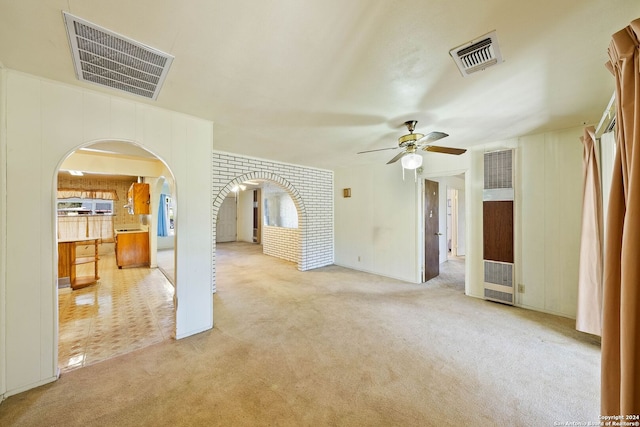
[(310, 189), (281, 242)]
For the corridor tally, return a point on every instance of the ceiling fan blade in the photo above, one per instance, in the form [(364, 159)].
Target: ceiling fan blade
[(431, 137), (445, 150), (379, 149), (396, 158)]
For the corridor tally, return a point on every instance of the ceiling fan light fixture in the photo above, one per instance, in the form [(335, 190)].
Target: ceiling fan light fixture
[(411, 161)]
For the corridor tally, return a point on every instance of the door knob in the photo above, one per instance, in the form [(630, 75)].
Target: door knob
[(437, 234)]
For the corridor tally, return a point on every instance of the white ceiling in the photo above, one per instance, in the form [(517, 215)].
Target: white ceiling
[(313, 82)]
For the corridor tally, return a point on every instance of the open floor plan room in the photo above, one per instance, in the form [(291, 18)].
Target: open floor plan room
[(335, 346)]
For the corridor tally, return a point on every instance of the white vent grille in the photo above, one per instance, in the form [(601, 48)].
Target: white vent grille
[(498, 273), (477, 54), (498, 169), (498, 296), (498, 281), (108, 59)]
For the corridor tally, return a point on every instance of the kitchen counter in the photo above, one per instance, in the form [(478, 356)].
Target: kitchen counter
[(132, 247), (131, 229)]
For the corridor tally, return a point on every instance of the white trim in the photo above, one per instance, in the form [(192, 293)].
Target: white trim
[(3, 232)]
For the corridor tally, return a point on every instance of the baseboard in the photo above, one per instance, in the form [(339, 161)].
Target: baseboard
[(19, 390), (402, 279)]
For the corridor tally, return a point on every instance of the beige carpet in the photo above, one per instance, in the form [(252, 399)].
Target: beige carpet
[(335, 347)]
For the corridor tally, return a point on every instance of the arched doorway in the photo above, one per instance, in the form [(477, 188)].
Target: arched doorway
[(300, 251), (129, 305)]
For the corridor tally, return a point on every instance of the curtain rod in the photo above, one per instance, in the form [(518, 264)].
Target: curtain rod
[(608, 116)]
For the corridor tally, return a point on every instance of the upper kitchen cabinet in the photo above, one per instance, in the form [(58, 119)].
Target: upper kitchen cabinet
[(138, 199)]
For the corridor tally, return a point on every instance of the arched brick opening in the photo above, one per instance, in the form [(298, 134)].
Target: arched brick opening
[(281, 182)]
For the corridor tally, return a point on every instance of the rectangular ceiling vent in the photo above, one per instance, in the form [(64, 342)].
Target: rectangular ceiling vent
[(108, 59), (477, 54)]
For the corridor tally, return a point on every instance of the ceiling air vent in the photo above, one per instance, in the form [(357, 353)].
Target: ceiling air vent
[(108, 59), (477, 54)]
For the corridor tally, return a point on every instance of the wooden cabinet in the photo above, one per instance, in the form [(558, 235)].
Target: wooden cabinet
[(132, 249), (138, 199), (68, 262)]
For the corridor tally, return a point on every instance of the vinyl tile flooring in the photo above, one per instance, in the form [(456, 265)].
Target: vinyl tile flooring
[(126, 310)]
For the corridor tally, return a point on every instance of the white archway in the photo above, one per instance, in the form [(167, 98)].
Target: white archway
[(120, 158)]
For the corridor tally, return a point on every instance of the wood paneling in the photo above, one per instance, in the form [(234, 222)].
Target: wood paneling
[(497, 222)]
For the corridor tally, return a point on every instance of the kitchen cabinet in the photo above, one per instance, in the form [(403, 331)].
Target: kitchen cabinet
[(138, 199), (132, 248)]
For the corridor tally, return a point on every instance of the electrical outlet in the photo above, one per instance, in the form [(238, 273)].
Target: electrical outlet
[(521, 288)]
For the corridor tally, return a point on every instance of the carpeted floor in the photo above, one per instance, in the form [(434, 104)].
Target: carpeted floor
[(338, 347)]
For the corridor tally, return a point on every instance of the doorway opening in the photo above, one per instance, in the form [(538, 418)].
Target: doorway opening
[(263, 212), (125, 303), (444, 222)]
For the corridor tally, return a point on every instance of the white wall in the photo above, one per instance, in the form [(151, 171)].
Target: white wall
[(42, 122), (377, 227), (380, 223), (549, 206)]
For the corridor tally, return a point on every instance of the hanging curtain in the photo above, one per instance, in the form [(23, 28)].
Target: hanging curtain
[(607, 157), (163, 216), (589, 314), (621, 293), (70, 193)]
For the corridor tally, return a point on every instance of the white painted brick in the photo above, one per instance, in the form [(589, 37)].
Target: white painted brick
[(311, 245)]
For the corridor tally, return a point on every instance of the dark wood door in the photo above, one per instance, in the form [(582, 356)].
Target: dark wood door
[(431, 231)]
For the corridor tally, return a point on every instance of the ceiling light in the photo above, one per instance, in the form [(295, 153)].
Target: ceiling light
[(411, 161), (76, 173)]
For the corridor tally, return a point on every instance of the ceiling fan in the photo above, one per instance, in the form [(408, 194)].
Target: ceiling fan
[(411, 142)]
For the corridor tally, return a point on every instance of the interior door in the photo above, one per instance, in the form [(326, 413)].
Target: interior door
[(226, 225), (431, 231)]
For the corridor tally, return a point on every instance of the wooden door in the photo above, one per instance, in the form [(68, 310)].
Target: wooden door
[(431, 231)]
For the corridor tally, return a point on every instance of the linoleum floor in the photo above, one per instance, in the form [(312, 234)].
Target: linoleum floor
[(126, 310)]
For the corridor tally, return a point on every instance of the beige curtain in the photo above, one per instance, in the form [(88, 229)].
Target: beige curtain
[(621, 292), (82, 227), (100, 227), (589, 314), (70, 193)]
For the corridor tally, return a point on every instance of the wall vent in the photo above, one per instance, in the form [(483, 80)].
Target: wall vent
[(477, 54), (498, 226), (498, 169), (498, 296), (498, 273), (108, 59)]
